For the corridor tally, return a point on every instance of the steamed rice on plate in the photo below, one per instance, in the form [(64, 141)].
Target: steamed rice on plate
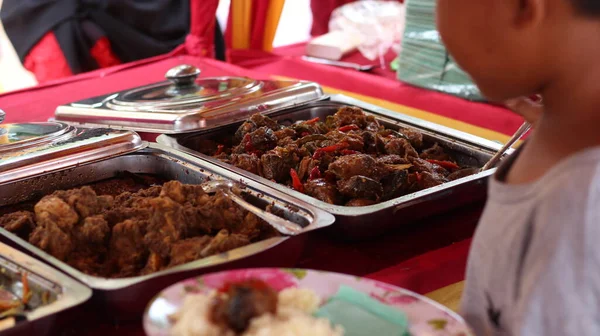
[(252, 308)]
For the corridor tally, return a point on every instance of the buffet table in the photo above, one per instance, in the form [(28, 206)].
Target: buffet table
[(424, 256)]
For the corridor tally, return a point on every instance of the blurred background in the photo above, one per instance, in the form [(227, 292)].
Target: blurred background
[(294, 27)]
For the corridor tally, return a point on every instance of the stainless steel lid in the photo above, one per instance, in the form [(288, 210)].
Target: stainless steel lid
[(187, 103), (36, 148)]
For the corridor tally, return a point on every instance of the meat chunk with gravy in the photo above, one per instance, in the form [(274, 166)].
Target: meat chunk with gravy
[(322, 190), (361, 187), (357, 164)]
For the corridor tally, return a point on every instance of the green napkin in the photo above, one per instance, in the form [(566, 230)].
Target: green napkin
[(360, 314)]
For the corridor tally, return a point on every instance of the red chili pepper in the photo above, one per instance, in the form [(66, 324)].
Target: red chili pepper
[(315, 173), (248, 144), (418, 176), (349, 152), (313, 121), (444, 164), (296, 183), (303, 134), (219, 149), (348, 128), (329, 149)]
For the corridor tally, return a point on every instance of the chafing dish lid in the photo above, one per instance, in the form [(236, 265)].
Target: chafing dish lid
[(14, 136), (187, 103), (36, 148)]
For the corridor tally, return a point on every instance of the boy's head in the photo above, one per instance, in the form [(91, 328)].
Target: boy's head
[(516, 48)]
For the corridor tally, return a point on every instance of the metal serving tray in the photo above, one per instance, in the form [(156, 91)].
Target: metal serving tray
[(125, 298), (369, 221), (63, 293)]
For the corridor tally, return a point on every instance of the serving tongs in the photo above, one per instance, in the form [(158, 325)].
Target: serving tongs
[(282, 225), (500, 153)]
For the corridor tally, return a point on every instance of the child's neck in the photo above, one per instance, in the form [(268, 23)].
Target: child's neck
[(570, 123)]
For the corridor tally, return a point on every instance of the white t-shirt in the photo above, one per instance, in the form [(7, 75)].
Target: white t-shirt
[(534, 265)]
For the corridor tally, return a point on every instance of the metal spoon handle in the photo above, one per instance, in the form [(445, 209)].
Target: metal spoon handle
[(518, 134), (282, 225)]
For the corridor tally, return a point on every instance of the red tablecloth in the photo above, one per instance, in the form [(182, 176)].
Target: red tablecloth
[(422, 257)]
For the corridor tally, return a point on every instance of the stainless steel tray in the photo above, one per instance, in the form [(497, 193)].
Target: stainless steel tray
[(127, 297), (64, 293), (369, 221)]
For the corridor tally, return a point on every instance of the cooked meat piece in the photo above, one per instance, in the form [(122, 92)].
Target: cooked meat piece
[(243, 302), (415, 137), (263, 139), (246, 162), (105, 202), (361, 187), (53, 210), (166, 226), (370, 142), (21, 223), (276, 164), (357, 164), (373, 126), (427, 180), (94, 230), (462, 173), (188, 250), (358, 202), (436, 152), (350, 115), (285, 133), (395, 184), (223, 242), (154, 263), (322, 190), (354, 141), (256, 121), (50, 238), (420, 165), (121, 214), (392, 159), (400, 147), (127, 250), (174, 190), (82, 200)]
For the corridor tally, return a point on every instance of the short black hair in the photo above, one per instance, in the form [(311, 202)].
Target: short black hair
[(588, 7)]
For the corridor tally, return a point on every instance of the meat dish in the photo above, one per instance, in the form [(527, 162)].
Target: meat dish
[(347, 159), (135, 233)]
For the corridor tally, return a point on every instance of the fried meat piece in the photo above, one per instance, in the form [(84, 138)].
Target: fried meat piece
[(127, 250), (223, 242), (436, 152), (357, 164), (360, 187), (322, 190), (21, 223)]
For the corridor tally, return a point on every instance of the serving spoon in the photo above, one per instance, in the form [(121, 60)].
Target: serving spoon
[(518, 134), (284, 226)]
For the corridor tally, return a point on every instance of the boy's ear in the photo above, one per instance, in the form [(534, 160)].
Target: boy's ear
[(530, 13)]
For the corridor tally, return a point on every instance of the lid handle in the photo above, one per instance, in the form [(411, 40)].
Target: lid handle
[(183, 76)]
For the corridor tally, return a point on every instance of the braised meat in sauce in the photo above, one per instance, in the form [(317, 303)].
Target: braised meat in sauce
[(135, 233), (347, 159)]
